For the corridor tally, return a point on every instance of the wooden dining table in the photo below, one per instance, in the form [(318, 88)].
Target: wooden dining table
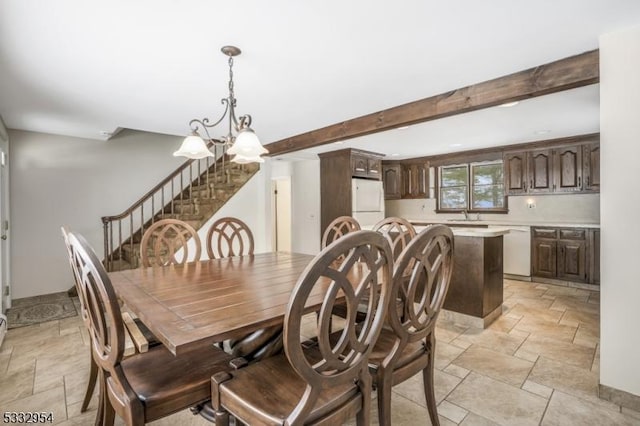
[(210, 301)]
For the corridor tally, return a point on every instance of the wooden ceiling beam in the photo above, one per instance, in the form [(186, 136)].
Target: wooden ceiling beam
[(568, 73)]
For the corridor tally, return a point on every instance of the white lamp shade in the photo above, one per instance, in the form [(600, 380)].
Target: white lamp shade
[(242, 159), (193, 147), (247, 144)]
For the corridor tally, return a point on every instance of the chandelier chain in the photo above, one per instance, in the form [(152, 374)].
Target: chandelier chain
[(231, 94)]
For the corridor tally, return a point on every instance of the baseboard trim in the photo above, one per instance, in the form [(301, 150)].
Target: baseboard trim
[(584, 286), (619, 397)]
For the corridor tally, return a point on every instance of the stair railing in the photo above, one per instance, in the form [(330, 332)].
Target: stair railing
[(126, 228)]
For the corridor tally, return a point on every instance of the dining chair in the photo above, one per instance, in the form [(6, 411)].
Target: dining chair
[(229, 236), (146, 386), (398, 231), (318, 382), (407, 346), (163, 240), (339, 227)]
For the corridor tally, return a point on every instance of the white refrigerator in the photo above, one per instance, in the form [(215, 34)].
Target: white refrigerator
[(367, 201)]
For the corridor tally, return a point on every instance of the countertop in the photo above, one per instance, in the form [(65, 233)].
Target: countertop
[(452, 223), (475, 232)]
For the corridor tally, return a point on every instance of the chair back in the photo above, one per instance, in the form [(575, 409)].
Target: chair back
[(358, 267), (398, 231), (338, 228), (74, 270), (163, 240), (103, 316), (228, 237), (423, 291)]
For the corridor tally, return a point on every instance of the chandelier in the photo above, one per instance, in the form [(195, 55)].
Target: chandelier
[(240, 140)]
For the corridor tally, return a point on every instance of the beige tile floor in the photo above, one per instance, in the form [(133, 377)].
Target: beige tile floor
[(537, 364)]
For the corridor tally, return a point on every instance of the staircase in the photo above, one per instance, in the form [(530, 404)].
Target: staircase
[(193, 193)]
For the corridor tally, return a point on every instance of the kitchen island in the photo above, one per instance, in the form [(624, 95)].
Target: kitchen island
[(476, 290)]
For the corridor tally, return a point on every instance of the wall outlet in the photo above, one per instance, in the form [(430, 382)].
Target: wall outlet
[(531, 205)]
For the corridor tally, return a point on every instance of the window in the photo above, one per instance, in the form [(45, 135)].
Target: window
[(474, 186)]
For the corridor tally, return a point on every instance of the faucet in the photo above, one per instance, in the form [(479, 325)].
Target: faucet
[(465, 212)]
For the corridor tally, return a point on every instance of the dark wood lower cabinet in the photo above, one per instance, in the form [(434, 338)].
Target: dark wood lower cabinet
[(544, 258), (568, 254)]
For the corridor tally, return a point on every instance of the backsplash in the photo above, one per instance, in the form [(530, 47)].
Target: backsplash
[(569, 208)]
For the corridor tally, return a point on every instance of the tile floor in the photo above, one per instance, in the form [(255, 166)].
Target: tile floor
[(537, 364)]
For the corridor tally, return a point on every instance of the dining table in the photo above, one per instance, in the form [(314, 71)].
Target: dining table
[(209, 301)]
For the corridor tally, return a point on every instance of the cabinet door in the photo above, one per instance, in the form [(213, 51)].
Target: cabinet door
[(374, 166), (359, 166), (422, 175), (540, 171), (572, 260), (409, 181), (543, 257), (594, 256), (392, 178), (515, 173), (591, 167), (567, 172)]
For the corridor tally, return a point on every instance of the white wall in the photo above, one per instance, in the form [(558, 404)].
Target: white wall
[(59, 180), (246, 205), (5, 273), (620, 146), (570, 208)]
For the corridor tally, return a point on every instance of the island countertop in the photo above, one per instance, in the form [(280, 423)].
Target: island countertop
[(474, 232)]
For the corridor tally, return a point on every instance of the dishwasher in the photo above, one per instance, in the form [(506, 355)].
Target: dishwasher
[(516, 251)]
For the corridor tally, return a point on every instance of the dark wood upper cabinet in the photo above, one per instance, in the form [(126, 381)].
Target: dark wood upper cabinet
[(406, 180), (515, 177), (416, 180), (591, 167), (557, 169), (392, 178), (359, 166), (540, 171), (567, 163)]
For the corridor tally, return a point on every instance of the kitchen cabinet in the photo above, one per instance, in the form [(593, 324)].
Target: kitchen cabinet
[(392, 178), (364, 164), (565, 254), (416, 180), (337, 168), (406, 180), (561, 169), (591, 167), (567, 163)]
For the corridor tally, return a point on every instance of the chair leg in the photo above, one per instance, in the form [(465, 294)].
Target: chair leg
[(109, 413), (429, 392), (363, 418), (93, 375), (101, 401), (384, 400)]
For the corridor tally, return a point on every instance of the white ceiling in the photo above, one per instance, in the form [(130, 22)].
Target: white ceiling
[(82, 68)]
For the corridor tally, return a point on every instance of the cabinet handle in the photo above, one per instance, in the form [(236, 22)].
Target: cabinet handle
[(531, 186), (588, 181), (409, 181), (373, 171), (360, 169), (424, 180), (579, 181)]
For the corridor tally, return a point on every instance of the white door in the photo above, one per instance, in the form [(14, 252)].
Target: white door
[(5, 299), (281, 224)]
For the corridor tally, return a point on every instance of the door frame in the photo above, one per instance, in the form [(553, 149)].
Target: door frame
[(274, 211)]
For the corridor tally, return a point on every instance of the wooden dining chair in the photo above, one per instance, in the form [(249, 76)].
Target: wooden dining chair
[(164, 239), (398, 231), (228, 237), (407, 347), (317, 382), (146, 386), (339, 227)]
